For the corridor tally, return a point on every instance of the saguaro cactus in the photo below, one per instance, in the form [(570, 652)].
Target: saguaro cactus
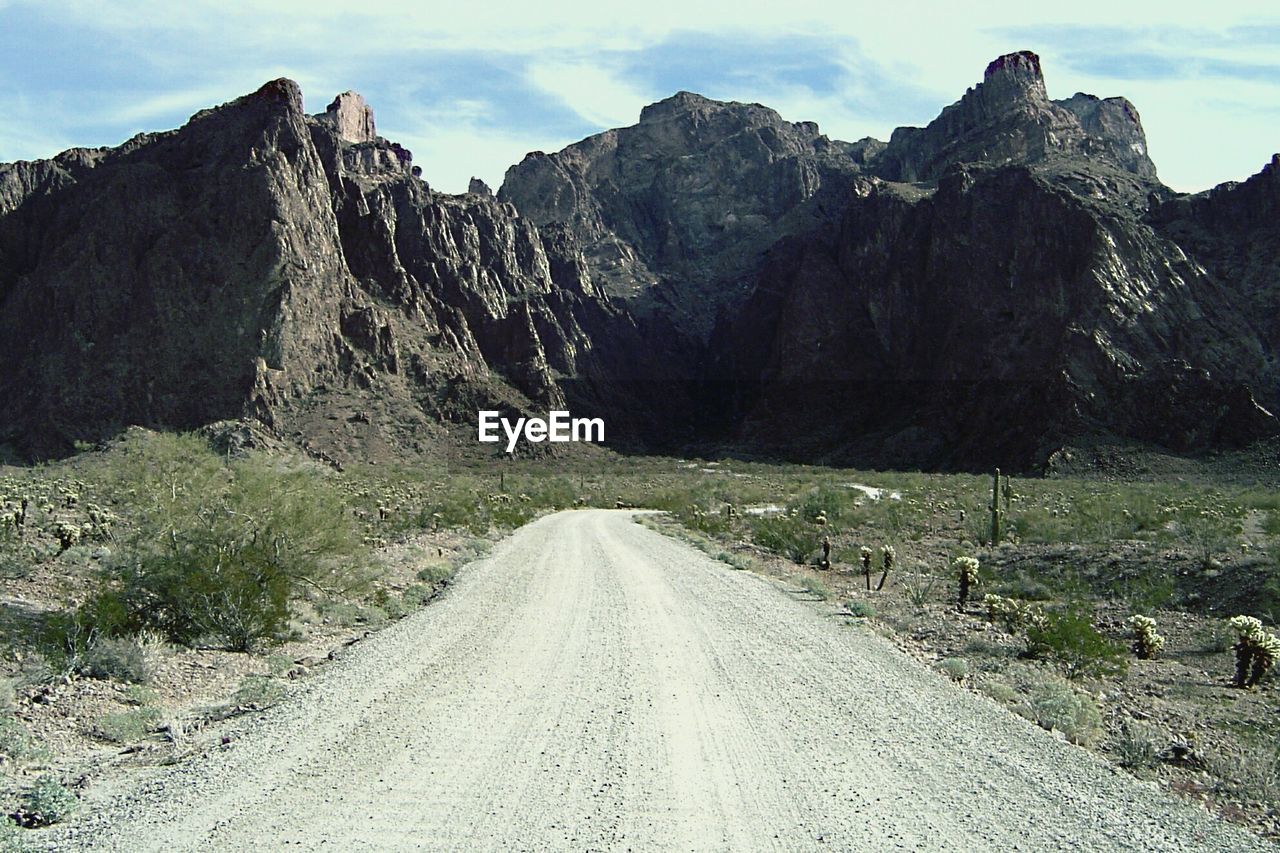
[(997, 513)]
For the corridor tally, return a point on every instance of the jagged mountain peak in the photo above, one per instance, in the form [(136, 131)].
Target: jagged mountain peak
[(351, 117), (1008, 118)]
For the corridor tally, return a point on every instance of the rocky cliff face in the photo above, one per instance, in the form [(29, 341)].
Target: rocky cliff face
[(262, 262), (1008, 118), (984, 290), (673, 212), (989, 321)]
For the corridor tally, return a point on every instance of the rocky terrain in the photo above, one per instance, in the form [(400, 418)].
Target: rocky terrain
[(1006, 281)]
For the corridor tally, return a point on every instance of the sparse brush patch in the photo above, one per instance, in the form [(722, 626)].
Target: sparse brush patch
[(416, 595), (436, 572), (257, 691), (11, 837), (1138, 746), (1216, 637), (17, 746), (127, 726), (1001, 692), (133, 659), (47, 802), (1068, 638), (1056, 706), (861, 609), (815, 587), (957, 669), (136, 694), (1254, 773), (792, 538)]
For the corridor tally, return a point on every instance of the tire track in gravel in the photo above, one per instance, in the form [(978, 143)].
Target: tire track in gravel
[(592, 685)]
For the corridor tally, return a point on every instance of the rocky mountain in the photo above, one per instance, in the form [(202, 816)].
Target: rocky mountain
[(292, 268), (994, 287)]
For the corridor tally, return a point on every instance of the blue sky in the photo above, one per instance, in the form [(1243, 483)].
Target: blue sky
[(470, 88)]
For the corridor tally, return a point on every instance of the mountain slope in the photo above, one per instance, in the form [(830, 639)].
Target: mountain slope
[(263, 262)]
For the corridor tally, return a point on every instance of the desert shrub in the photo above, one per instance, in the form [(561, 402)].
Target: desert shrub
[(1253, 773), (48, 802), (128, 726), (788, 537), (1207, 530), (11, 837), (1025, 587), (257, 691), (16, 743), (1216, 637), (918, 586), (436, 572), (1138, 746), (815, 587), (133, 659), (861, 609), (957, 669), (136, 694), (823, 501), (416, 595), (221, 548), (1068, 638), (1057, 706), (1001, 692)]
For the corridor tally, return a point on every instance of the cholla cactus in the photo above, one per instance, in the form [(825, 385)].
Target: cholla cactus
[(826, 552), (1013, 615), (886, 554), (821, 518), (1257, 650), (865, 553), (1146, 642), (966, 569), (68, 534)]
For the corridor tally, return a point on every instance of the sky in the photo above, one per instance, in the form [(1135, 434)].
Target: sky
[(471, 87)]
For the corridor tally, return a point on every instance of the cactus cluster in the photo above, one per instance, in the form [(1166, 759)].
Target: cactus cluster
[(1146, 642), (966, 569), (1012, 614), (1256, 650)]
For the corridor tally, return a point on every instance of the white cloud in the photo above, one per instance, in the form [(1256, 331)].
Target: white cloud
[(933, 47), (592, 91)]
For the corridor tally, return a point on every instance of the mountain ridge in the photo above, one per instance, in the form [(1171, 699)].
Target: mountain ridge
[(988, 288)]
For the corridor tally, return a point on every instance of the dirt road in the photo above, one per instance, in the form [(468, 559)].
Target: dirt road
[(593, 685)]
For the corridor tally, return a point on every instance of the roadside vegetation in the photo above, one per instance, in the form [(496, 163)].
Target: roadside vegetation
[(154, 588)]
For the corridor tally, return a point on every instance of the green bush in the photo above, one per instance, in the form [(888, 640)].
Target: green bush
[(1057, 707), (49, 801), (258, 691), (128, 726), (957, 669), (12, 839), (788, 537), (861, 609), (131, 659), (436, 573), (823, 501), (1069, 638), (16, 743), (221, 548), (815, 587)]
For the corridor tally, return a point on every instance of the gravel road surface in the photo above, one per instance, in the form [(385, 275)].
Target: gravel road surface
[(593, 685)]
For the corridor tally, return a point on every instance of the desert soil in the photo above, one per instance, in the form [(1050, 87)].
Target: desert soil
[(594, 685)]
